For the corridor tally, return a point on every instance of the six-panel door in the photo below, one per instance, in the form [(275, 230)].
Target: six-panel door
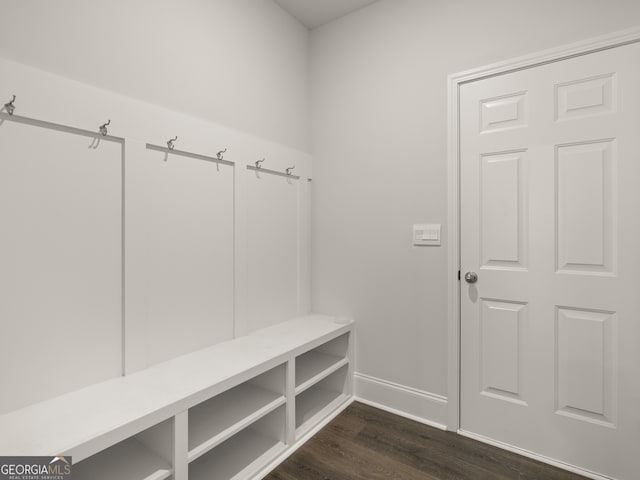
[(550, 160)]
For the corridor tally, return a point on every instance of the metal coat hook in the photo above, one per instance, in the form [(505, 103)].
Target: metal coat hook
[(103, 128), (220, 154), (170, 144), (10, 107), (259, 163), (288, 170)]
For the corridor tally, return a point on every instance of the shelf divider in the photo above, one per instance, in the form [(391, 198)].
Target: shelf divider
[(314, 366), (238, 458), (314, 405), (127, 460), (215, 420)]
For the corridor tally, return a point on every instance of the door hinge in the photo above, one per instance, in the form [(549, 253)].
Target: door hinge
[(458, 275)]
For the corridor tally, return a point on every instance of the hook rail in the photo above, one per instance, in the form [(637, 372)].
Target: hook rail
[(257, 167), (197, 156)]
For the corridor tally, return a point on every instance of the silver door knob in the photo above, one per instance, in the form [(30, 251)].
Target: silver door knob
[(471, 277)]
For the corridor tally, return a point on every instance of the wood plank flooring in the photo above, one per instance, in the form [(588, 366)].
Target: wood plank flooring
[(364, 443)]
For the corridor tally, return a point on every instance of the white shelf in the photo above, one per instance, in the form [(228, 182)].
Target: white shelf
[(236, 425), (215, 420), (238, 458), (127, 460), (313, 366), (314, 405), (139, 400)]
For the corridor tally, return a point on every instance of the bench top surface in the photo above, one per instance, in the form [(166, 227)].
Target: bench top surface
[(59, 425)]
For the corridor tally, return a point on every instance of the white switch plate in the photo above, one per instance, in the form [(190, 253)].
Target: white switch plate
[(426, 234)]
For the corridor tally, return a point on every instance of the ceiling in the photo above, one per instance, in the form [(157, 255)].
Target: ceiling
[(313, 13)]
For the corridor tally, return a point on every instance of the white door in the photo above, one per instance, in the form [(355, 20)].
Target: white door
[(550, 223)]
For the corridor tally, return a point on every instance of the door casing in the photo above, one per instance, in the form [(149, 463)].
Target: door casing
[(454, 83)]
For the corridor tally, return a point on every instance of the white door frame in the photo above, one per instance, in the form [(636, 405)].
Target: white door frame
[(455, 81)]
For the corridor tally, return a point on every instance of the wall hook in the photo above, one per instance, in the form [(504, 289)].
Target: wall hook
[(103, 128), (170, 144), (10, 107), (259, 163), (288, 170), (220, 154)]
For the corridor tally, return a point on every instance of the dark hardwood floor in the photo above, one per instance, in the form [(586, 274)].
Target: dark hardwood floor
[(364, 443)]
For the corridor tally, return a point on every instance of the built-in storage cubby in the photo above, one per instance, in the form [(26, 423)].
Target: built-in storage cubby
[(227, 412), (318, 363), (217, 419), (313, 404), (321, 382), (146, 456), (245, 453)]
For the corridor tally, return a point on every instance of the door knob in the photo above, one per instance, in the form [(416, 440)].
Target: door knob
[(471, 277)]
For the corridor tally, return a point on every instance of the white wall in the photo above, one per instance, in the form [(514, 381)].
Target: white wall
[(239, 63), (379, 142), (188, 238), (217, 73)]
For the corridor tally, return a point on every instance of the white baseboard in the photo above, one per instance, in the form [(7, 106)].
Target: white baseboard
[(534, 456), (411, 403)]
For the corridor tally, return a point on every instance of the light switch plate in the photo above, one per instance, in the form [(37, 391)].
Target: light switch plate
[(426, 234)]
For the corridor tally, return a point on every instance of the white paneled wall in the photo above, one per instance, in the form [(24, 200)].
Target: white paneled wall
[(60, 261), (180, 226), (272, 249), (117, 253)]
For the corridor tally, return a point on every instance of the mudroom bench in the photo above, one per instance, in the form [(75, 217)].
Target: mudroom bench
[(231, 411)]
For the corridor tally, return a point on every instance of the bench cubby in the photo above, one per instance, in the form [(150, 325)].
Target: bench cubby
[(217, 419), (324, 396), (316, 364), (145, 456), (245, 453)]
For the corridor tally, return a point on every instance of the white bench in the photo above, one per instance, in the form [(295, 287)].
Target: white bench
[(231, 411)]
